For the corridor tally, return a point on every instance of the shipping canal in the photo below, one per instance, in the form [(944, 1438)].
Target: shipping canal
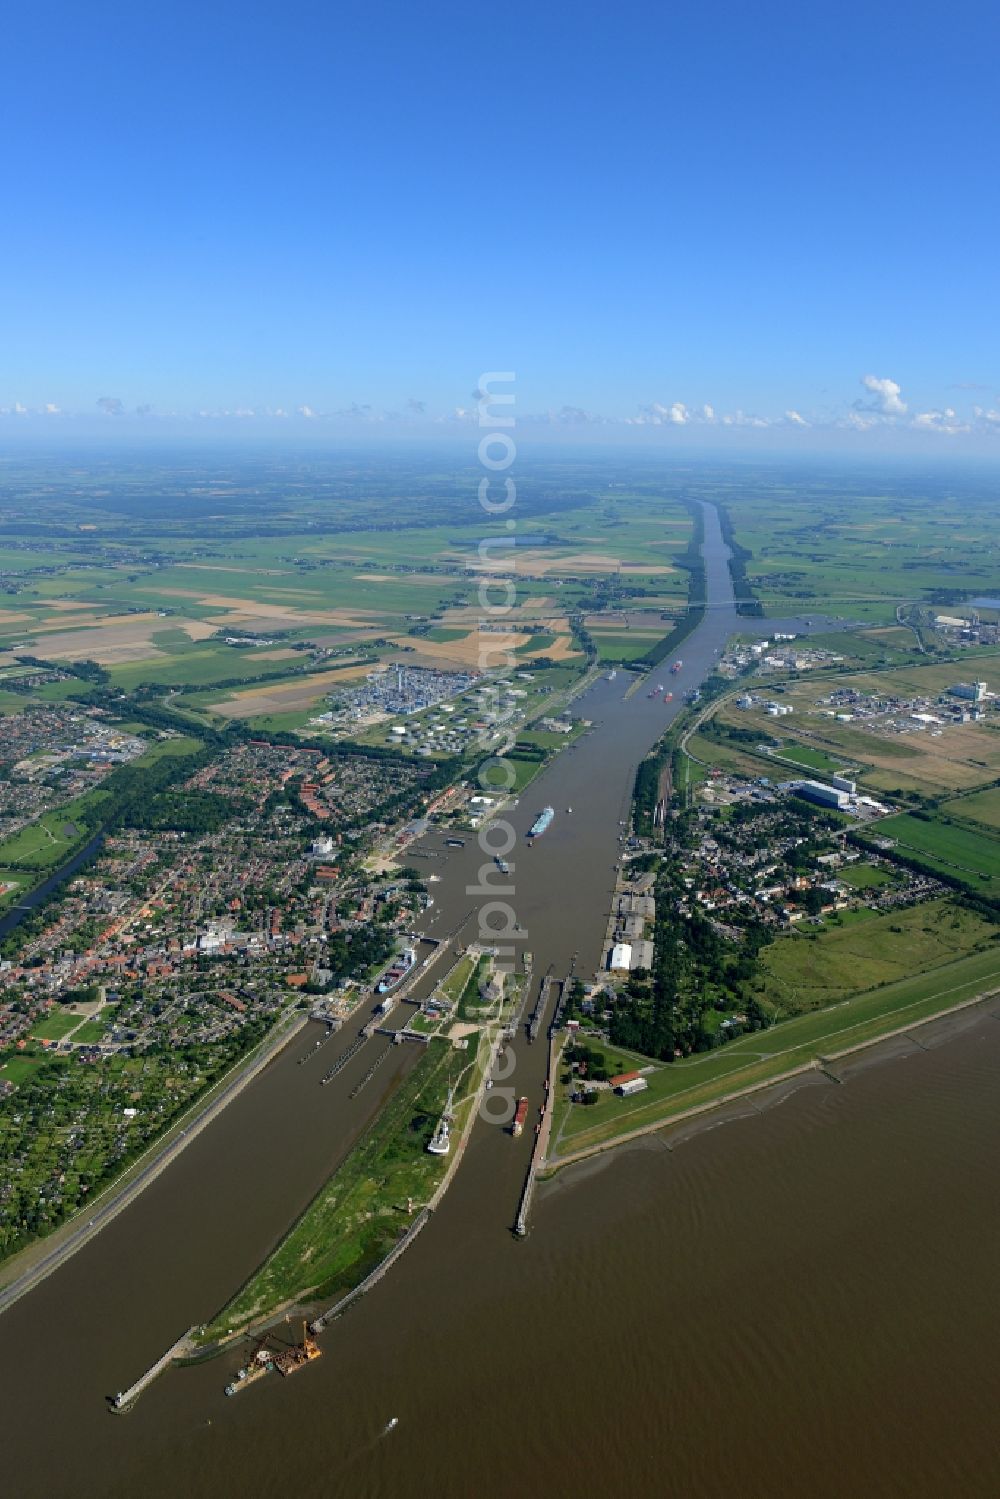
[(676, 1322)]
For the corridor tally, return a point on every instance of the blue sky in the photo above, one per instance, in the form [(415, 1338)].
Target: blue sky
[(646, 210)]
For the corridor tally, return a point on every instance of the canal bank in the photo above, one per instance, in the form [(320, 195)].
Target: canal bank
[(694, 1267), (30, 900), (203, 1226), (24, 1271)]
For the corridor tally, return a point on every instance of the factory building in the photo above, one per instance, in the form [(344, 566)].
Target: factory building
[(826, 796), (621, 958)]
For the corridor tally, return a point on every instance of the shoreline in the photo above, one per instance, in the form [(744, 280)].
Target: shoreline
[(701, 1117), (29, 1267), (319, 1321)]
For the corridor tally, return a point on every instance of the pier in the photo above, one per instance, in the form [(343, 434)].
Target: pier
[(535, 1023), (563, 996), (515, 1022), (125, 1399), (541, 1144), (371, 1072), (346, 1056), (331, 1030), (340, 1306)]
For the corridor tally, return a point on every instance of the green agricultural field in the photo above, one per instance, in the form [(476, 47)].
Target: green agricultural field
[(948, 848), (536, 645), (624, 645), (834, 545), (440, 635), (59, 692), (200, 665), (165, 749), (801, 971), (713, 755), (809, 758), (982, 807)]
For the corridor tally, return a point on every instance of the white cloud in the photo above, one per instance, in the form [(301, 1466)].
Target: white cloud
[(307, 412), (567, 416), (111, 405), (946, 421), (886, 395), (795, 419), (51, 409), (658, 415), (744, 419), (20, 410)]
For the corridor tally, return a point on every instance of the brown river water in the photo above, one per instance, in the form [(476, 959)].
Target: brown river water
[(800, 1301)]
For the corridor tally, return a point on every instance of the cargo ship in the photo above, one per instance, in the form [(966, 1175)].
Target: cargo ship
[(520, 1115), (542, 822), (397, 973)]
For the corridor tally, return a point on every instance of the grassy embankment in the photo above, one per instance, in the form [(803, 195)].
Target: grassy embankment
[(708, 1079), (361, 1212)]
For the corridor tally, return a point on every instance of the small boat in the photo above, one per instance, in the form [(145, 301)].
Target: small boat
[(569, 809), (392, 1423)]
